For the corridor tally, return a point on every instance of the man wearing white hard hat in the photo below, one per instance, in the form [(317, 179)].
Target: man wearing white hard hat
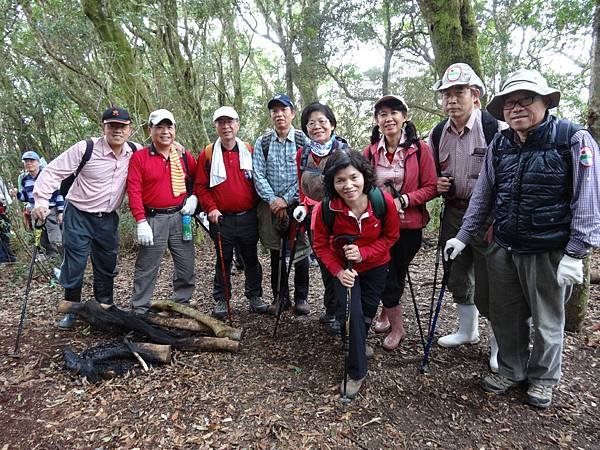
[(224, 185), (159, 187), (459, 145), (540, 180)]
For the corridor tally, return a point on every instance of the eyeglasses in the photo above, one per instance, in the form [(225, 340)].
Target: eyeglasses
[(383, 115), (322, 122), (525, 101)]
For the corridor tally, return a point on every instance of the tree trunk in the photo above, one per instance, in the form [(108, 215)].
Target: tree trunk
[(231, 36), (576, 307), (453, 33)]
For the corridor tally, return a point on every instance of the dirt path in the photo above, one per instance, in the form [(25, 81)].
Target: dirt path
[(278, 393)]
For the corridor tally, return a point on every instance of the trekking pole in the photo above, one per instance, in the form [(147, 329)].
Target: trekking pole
[(223, 271), (425, 363), (37, 232), (414, 300), (438, 253), (294, 233), (346, 239)]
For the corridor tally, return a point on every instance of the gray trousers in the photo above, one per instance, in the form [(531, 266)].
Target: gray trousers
[(524, 286), (167, 234), (468, 279)]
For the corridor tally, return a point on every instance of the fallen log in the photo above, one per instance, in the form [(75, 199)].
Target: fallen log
[(154, 353), (179, 324), (219, 328), (211, 344), (109, 317)]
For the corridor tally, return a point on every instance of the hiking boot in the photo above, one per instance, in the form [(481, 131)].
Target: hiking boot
[(333, 328), (67, 322), (328, 317), (257, 305), (352, 387), (272, 308), (301, 307), (220, 309), (498, 384), (369, 352), (539, 395)]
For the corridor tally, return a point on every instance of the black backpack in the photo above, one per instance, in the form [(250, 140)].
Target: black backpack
[(66, 184), (488, 122), (266, 139), (375, 197)]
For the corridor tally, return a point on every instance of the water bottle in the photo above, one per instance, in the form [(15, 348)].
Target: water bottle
[(186, 230)]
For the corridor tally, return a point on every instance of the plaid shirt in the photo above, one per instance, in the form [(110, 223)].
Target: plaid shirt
[(278, 175)]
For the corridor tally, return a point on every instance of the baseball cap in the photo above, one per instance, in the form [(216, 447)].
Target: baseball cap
[(284, 99), (30, 154), (116, 114), (390, 99), (225, 111), (159, 115), (459, 74), (523, 80)]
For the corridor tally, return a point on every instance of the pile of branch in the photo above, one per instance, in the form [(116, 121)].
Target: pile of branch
[(179, 333)]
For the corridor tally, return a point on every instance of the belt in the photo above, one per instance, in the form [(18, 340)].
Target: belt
[(241, 213), (98, 214), (457, 203), (155, 211)]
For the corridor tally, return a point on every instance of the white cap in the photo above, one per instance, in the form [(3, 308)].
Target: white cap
[(225, 111), (459, 74), (159, 115), (523, 80)]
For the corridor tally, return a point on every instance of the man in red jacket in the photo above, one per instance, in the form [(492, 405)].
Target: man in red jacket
[(159, 185), (226, 192)]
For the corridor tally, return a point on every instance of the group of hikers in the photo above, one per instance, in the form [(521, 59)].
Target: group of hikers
[(521, 210)]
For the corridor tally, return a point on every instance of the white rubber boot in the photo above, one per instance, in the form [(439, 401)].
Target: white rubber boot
[(468, 331), (493, 350)]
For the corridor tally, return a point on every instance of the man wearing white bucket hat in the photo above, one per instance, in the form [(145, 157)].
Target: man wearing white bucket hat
[(540, 180), (459, 145)]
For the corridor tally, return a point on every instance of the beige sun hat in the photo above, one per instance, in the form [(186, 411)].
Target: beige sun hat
[(459, 74), (391, 99), (523, 80)]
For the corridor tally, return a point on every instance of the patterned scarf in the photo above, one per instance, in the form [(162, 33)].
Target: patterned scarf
[(321, 149), (177, 175)]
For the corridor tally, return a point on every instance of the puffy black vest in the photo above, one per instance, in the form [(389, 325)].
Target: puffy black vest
[(532, 208)]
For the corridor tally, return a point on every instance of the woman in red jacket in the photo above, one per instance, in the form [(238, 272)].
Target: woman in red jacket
[(348, 230), (404, 167)]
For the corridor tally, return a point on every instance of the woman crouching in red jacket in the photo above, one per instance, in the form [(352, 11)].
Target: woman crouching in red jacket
[(354, 229)]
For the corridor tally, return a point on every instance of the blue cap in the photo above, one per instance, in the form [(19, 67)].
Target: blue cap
[(30, 154), (284, 99)]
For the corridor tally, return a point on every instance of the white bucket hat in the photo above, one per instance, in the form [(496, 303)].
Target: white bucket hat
[(459, 74), (523, 80)]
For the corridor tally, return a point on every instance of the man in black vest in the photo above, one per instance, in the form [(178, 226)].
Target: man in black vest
[(540, 180), (459, 145)]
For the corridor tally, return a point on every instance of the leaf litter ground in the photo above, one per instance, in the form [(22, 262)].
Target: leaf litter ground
[(278, 392)]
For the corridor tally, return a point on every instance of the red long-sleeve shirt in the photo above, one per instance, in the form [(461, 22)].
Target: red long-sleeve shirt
[(149, 181), (235, 194), (374, 243)]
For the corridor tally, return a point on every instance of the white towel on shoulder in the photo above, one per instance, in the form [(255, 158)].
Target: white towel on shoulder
[(217, 167)]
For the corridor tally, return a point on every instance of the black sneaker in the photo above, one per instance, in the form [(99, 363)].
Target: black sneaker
[(272, 308), (327, 317), (301, 307), (499, 384), (220, 309), (67, 322), (257, 305), (333, 328)]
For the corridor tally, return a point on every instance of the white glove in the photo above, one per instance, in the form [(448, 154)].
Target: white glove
[(453, 248), (144, 233), (189, 207), (570, 271), (299, 213)]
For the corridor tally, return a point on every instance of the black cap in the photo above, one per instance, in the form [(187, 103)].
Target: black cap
[(115, 114), (284, 99)]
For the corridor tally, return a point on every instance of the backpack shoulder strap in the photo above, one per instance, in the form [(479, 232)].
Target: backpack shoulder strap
[(378, 203), (327, 215), (132, 146), (89, 148), (189, 181), (304, 158), (436, 135), (264, 143), (299, 139), (490, 126)]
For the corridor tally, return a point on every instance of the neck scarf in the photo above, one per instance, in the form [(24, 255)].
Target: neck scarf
[(177, 175), (321, 149)]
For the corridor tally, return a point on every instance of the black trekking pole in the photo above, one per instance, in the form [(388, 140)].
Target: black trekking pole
[(425, 363), (294, 233), (414, 300), (346, 239), (438, 253), (37, 233), (223, 271)]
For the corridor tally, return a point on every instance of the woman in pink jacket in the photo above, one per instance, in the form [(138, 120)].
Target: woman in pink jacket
[(403, 166), (362, 227)]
